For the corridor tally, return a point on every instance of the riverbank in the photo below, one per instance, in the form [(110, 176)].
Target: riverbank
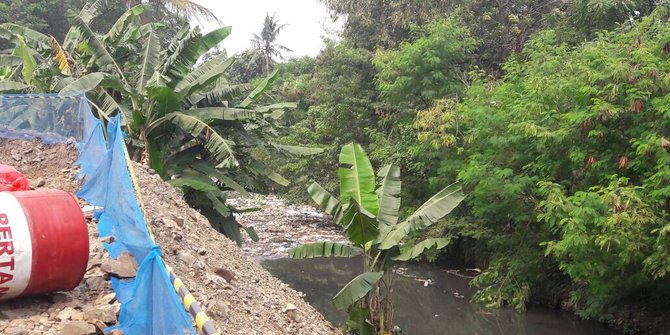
[(281, 226)]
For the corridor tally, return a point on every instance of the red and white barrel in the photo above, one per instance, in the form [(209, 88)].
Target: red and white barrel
[(43, 243)]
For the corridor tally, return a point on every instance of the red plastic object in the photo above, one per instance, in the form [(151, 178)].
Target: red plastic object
[(12, 180), (43, 243)]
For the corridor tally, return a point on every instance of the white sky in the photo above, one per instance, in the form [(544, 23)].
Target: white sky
[(307, 21)]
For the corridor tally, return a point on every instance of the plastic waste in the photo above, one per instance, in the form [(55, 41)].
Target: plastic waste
[(12, 180)]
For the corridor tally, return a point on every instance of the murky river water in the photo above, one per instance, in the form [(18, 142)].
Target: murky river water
[(440, 308)]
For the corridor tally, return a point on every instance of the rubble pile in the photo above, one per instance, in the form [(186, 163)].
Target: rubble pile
[(237, 294), (89, 308)]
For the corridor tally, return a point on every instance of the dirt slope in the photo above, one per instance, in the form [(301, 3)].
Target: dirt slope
[(252, 302), (92, 302)]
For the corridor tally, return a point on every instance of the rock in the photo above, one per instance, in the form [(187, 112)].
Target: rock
[(219, 310), (65, 314), (124, 266), (106, 314), (105, 299), (178, 220), (14, 313), (16, 323), (94, 260), (77, 316), (95, 282), (291, 311), (16, 331), (107, 239), (289, 307), (78, 328), (89, 211), (60, 297), (187, 258), (17, 157), (39, 182), (217, 281), (101, 326), (168, 222), (225, 274)]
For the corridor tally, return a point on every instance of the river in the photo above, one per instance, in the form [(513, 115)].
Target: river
[(442, 307)]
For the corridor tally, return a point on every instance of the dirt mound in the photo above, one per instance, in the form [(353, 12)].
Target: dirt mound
[(89, 307), (49, 166), (237, 294)]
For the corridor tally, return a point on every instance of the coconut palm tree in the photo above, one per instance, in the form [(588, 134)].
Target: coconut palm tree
[(267, 41)]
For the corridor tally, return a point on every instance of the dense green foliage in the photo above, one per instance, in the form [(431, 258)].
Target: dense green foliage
[(557, 129), (334, 109), (368, 210), (571, 150), (415, 72)]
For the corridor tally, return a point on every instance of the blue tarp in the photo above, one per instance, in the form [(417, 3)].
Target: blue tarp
[(149, 304)]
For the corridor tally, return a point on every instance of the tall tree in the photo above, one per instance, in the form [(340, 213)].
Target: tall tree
[(503, 27), (370, 24), (267, 41)]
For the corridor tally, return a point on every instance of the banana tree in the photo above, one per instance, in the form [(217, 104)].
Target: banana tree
[(369, 213), (183, 118)]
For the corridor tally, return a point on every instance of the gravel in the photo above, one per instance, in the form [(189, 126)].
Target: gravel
[(237, 293), (58, 313)]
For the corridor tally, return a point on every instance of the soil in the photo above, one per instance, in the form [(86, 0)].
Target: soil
[(91, 305), (237, 293)]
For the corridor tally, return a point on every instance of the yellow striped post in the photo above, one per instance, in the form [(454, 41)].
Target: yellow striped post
[(204, 324)]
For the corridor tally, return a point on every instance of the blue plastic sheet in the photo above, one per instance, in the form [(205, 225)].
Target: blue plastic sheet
[(49, 117), (149, 304)]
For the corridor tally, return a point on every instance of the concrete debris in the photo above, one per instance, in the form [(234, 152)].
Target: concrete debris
[(78, 328), (289, 307), (187, 258), (123, 266), (107, 314), (225, 274), (106, 299), (39, 182)]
